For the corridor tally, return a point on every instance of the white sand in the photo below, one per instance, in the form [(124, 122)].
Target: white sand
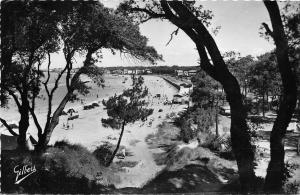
[(88, 130)]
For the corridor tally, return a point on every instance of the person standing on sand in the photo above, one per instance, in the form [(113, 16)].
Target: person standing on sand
[(123, 152)]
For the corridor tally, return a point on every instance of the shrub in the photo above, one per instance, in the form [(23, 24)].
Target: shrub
[(63, 168), (77, 167), (72, 160), (194, 120), (292, 187), (103, 153), (171, 115), (186, 133), (289, 169)]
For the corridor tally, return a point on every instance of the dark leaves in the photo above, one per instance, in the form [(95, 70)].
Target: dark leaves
[(128, 107)]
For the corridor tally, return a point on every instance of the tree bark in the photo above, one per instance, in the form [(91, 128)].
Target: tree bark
[(217, 119), (118, 145), (275, 173), (263, 104), (23, 124), (240, 138), (45, 137)]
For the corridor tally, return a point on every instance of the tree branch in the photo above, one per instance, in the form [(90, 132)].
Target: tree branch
[(8, 127), (145, 20), (174, 32), (268, 30), (48, 75), (36, 122), (204, 36), (57, 80), (151, 13), (11, 93)]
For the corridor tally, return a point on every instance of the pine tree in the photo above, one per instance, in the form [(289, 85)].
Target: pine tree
[(126, 108)]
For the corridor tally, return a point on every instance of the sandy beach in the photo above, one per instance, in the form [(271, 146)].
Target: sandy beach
[(88, 131)]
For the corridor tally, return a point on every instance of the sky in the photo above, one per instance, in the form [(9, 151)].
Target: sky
[(239, 21)]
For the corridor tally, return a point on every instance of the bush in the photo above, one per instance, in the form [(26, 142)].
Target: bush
[(103, 153), (186, 133), (74, 169), (194, 120), (171, 115), (72, 160), (63, 168)]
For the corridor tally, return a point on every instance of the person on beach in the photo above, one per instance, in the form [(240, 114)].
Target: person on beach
[(123, 152)]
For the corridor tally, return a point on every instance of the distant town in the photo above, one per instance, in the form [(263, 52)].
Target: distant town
[(180, 71)]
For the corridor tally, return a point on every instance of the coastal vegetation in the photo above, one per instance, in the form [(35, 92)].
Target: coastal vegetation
[(126, 108), (71, 31), (162, 130), (193, 21)]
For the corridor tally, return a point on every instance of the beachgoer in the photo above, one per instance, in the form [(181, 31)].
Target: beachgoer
[(123, 151)]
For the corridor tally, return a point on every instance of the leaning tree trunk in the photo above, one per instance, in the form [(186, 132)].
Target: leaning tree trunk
[(117, 147), (185, 19), (240, 138), (218, 70), (45, 137), (23, 124), (275, 173)]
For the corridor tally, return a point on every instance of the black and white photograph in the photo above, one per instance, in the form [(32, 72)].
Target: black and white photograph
[(150, 97)]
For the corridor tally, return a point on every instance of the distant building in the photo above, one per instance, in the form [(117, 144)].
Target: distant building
[(179, 72), (137, 71), (186, 73), (130, 72), (179, 99), (125, 71), (117, 72), (192, 72), (148, 71), (185, 89), (106, 71)]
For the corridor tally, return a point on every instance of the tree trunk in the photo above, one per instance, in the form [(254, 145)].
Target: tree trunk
[(217, 121), (23, 125), (217, 69), (267, 98), (245, 90), (263, 104), (240, 137), (45, 138), (117, 147), (275, 173)]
